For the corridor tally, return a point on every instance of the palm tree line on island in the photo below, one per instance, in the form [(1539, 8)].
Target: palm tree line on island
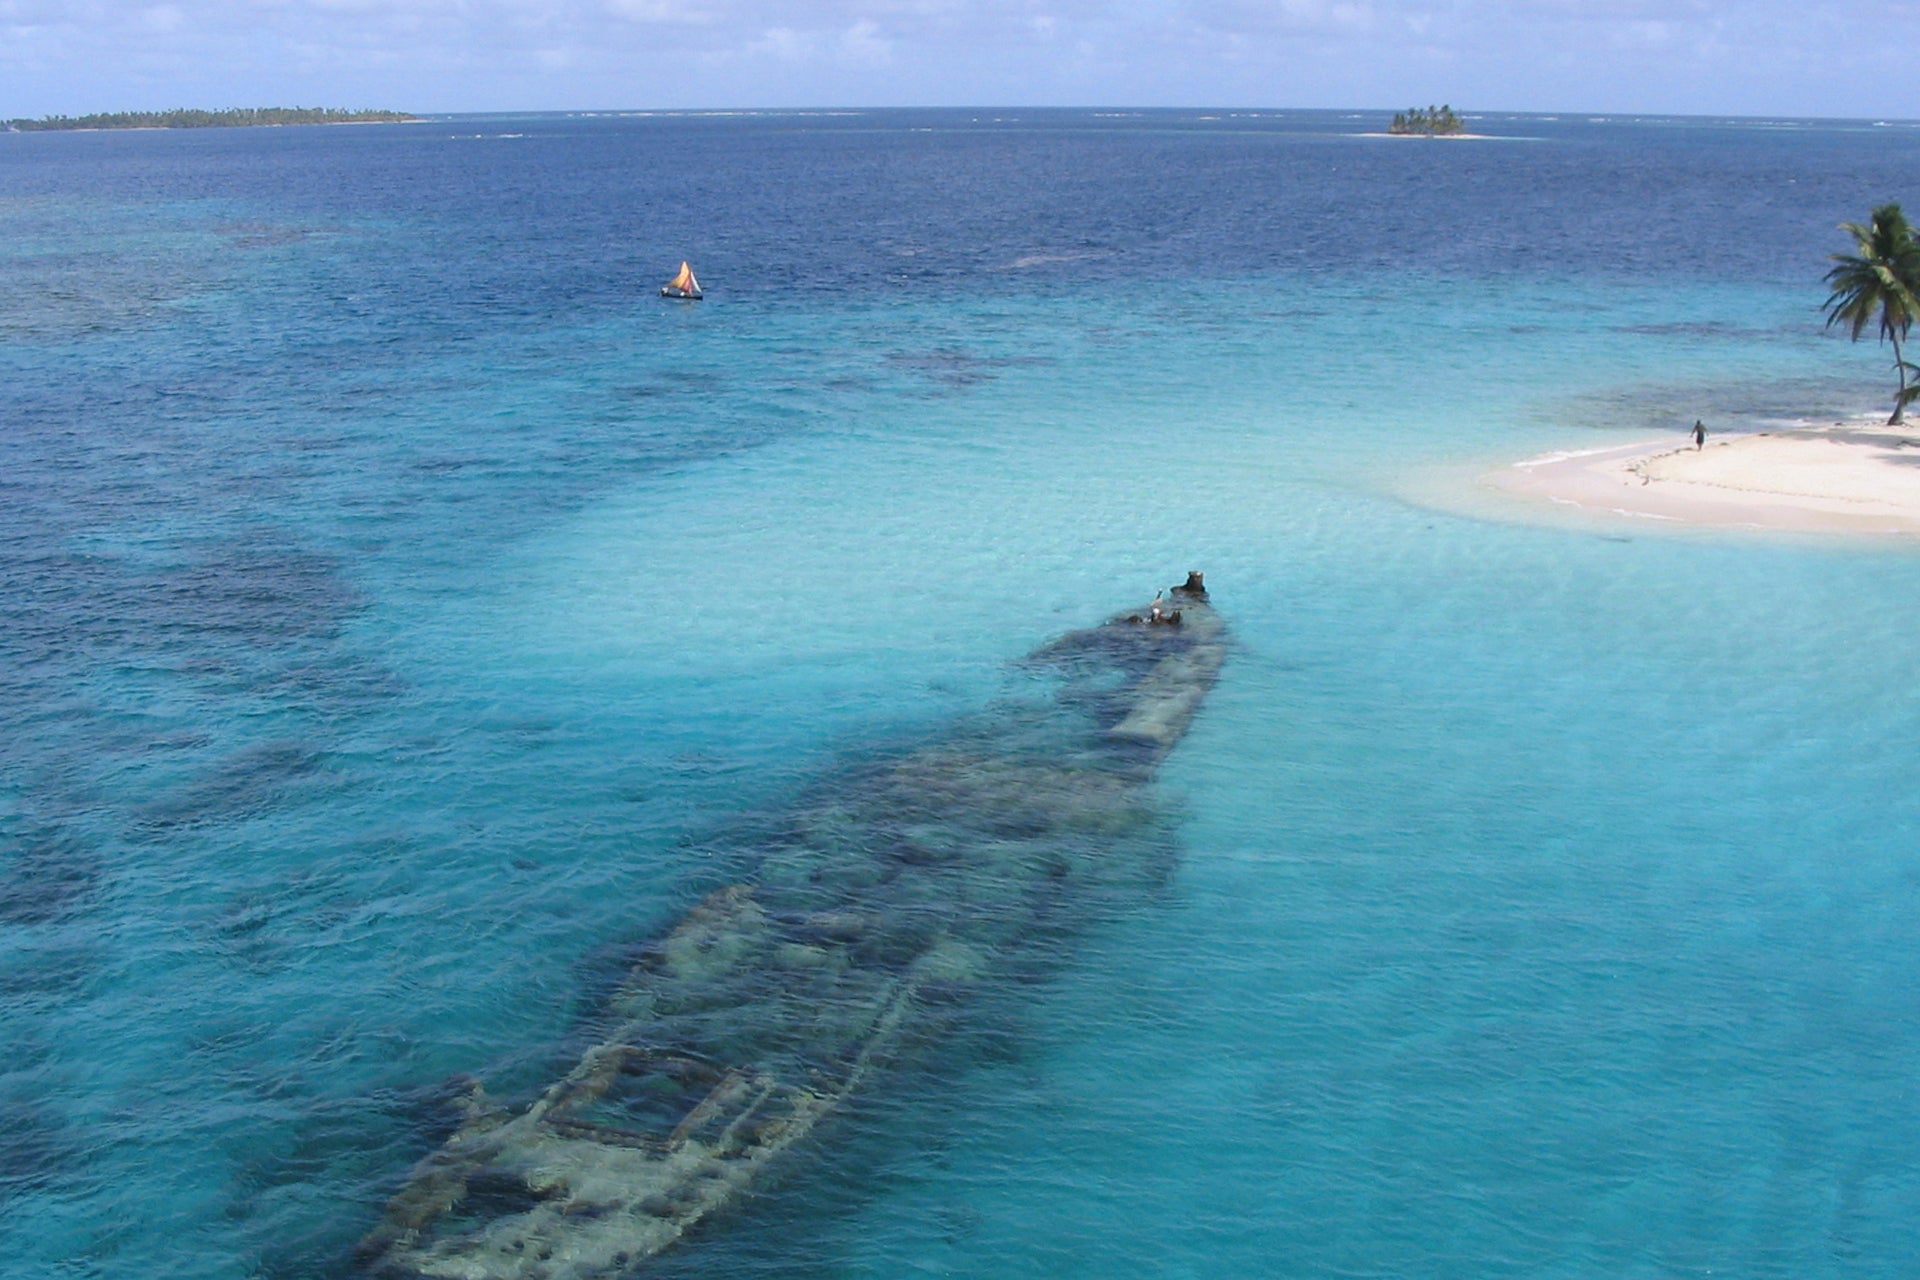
[(193, 118), (1879, 281), (1430, 122)]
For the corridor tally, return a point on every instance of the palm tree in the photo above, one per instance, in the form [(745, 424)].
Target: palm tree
[(1880, 280)]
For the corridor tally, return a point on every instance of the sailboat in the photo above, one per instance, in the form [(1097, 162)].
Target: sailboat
[(682, 285)]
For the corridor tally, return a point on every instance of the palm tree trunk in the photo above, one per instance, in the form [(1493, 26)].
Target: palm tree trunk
[(1900, 401)]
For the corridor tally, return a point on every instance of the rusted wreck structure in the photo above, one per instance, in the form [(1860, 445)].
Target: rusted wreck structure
[(888, 897)]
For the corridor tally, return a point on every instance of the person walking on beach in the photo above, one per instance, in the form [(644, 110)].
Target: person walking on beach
[(1699, 435)]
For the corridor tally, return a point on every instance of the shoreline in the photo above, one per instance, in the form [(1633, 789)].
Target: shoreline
[(181, 128), (1436, 137), (1849, 477), (195, 118)]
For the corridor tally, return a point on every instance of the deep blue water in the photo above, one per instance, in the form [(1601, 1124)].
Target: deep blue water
[(403, 605)]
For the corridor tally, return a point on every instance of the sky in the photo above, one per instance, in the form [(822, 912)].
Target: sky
[(1734, 57)]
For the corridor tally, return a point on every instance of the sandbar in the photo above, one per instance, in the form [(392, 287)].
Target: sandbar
[(1842, 478), (1440, 137)]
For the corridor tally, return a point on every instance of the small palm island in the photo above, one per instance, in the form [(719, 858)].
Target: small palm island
[(1860, 476), (1430, 122)]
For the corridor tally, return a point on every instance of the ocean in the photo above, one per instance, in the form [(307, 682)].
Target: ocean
[(407, 610)]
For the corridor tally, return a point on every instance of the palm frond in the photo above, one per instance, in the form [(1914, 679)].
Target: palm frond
[(1911, 392), (1880, 281)]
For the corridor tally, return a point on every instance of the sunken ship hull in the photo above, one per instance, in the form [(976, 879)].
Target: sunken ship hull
[(886, 900)]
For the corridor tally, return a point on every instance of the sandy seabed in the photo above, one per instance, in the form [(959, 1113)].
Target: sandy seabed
[(1843, 478)]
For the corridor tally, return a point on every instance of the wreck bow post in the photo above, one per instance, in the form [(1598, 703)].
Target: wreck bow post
[(890, 894)]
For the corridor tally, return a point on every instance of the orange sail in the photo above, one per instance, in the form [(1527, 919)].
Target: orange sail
[(683, 285)]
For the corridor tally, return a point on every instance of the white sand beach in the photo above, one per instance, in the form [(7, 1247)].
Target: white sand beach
[(1440, 137), (1843, 478)]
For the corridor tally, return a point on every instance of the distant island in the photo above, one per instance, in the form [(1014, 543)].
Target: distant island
[(184, 118), (1433, 122)]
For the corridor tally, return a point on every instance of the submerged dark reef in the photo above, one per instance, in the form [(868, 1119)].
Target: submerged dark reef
[(877, 911)]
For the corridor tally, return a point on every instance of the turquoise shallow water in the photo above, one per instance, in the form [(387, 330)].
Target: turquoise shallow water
[(409, 613)]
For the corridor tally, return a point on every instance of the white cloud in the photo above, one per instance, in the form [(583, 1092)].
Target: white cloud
[(863, 45), (38, 13), (664, 11), (782, 43), (1652, 34)]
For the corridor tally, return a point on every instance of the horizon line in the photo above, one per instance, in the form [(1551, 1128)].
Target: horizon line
[(1578, 114)]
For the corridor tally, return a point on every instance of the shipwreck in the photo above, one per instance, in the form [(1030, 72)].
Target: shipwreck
[(885, 899)]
